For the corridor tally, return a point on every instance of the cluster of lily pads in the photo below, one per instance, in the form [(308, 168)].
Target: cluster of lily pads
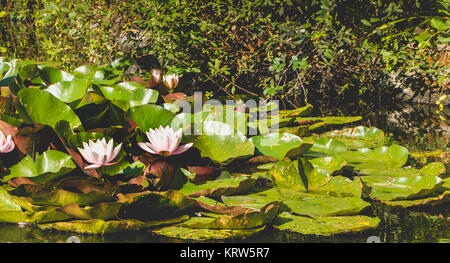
[(95, 151)]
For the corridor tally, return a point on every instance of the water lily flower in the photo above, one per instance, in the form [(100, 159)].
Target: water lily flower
[(99, 153), (6, 143), (156, 75), (164, 141), (170, 81)]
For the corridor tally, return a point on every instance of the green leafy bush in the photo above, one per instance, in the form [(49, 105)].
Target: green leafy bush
[(294, 50)]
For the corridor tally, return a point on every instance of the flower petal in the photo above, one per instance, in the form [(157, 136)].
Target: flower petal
[(183, 148)]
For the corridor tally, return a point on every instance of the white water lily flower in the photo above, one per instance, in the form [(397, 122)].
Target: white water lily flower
[(99, 153), (6, 143), (170, 81), (164, 141), (156, 75)]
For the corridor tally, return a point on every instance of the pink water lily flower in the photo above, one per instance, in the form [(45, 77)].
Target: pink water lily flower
[(164, 141), (6, 143), (99, 153), (170, 81)]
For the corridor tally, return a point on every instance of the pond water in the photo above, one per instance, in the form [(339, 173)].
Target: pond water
[(417, 127)]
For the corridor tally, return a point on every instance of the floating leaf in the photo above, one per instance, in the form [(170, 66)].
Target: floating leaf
[(129, 94), (221, 143), (278, 145), (150, 116), (68, 91), (42, 107), (98, 226), (325, 226), (358, 137)]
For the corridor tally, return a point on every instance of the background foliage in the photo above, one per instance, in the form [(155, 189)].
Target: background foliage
[(296, 50)]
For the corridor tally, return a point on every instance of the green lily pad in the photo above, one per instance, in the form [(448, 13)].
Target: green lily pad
[(53, 75), (278, 145), (42, 107), (186, 233), (68, 91), (129, 94), (383, 157), (149, 116), (36, 217), (60, 197), (325, 226), (302, 111), (429, 201), (249, 219), (221, 143), (98, 226), (104, 211), (401, 188), (225, 184), (48, 166), (331, 120), (358, 137), (298, 175), (7, 202), (327, 146)]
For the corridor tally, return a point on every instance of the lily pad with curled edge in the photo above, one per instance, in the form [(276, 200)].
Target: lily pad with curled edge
[(180, 231), (98, 226), (358, 137), (279, 144), (250, 218), (391, 188), (429, 201), (324, 226)]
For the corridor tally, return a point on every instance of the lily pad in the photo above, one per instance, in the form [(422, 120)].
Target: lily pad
[(401, 188), (129, 94), (325, 226), (298, 175), (383, 157), (149, 116), (68, 91), (221, 143), (278, 145), (186, 233), (225, 184), (48, 166), (42, 107), (358, 137), (98, 226), (7, 202)]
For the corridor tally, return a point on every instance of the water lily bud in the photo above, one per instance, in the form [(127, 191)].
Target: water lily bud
[(156, 75), (170, 81), (6, 143)]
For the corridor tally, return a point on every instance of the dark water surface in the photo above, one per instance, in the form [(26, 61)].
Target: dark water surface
[(416, 127)]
